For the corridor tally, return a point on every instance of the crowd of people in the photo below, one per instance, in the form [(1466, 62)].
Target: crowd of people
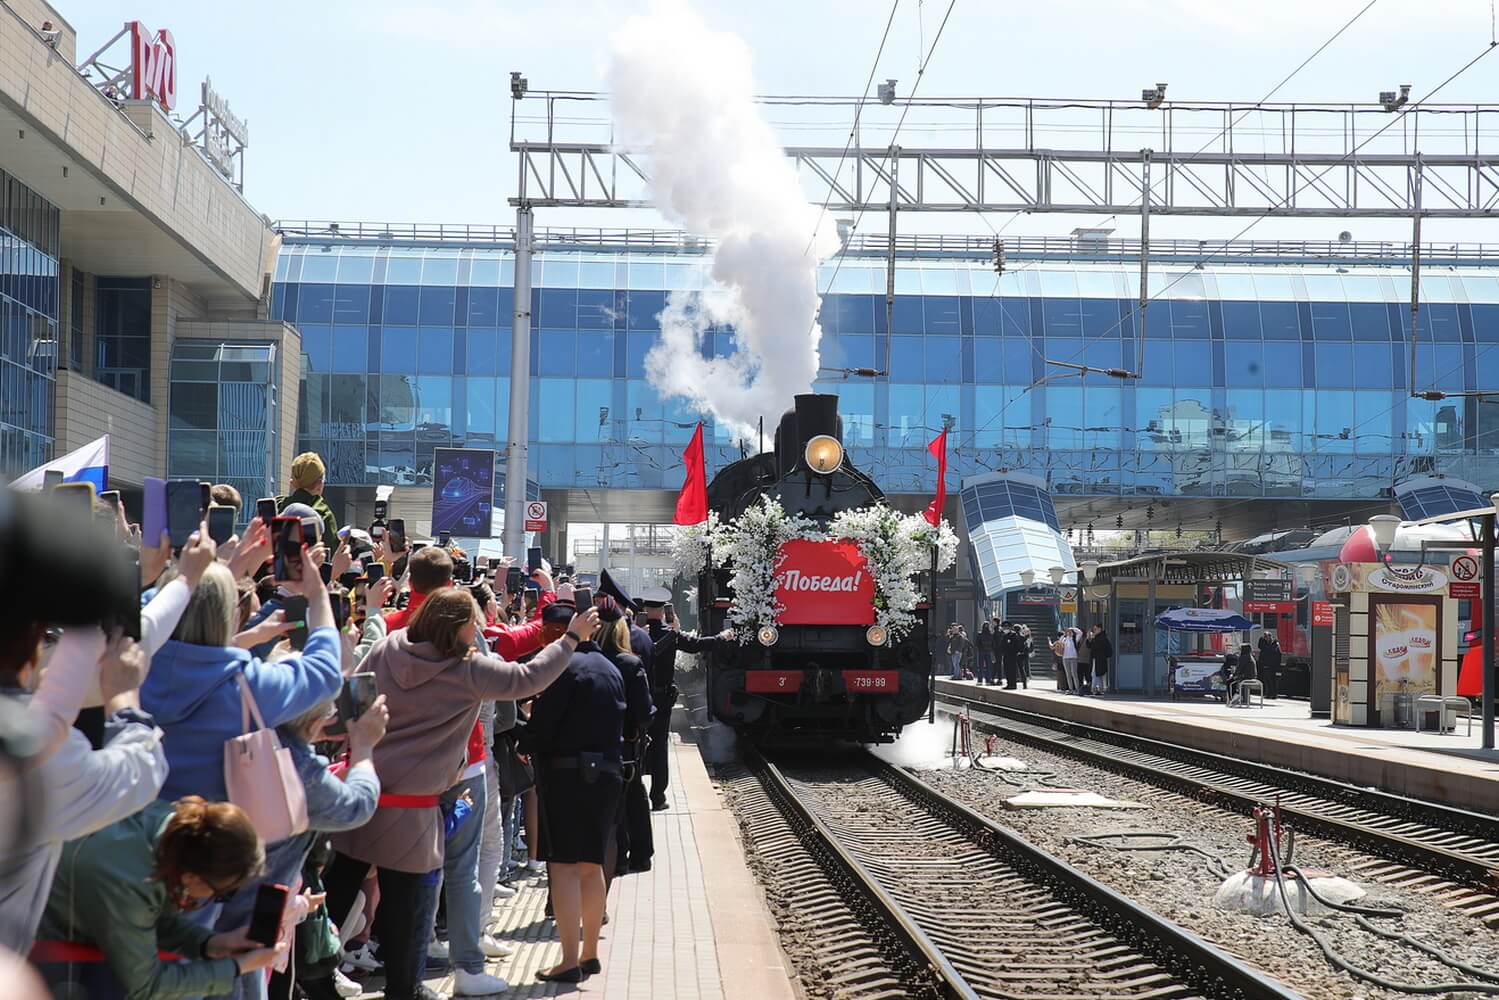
[(1001, 654), (376, 747)]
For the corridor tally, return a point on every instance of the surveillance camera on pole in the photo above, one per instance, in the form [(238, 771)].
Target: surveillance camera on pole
[(518, 85), (886, 91), (1154, 97)]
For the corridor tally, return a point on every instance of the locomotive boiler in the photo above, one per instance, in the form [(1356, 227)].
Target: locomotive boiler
[(824, 670)]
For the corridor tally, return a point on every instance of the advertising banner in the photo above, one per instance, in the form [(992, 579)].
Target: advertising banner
[(824, 583), (1376, 579), (1405, 648), (463, 492)]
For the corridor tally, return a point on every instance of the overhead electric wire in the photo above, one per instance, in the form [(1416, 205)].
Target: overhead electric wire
[(1134, 314), (854, 128)]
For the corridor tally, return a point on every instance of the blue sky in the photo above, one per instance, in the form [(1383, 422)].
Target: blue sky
[(398, 111)]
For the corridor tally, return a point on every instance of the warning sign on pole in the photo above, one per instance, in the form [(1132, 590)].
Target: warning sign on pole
[(536, 515), (1464, 569)]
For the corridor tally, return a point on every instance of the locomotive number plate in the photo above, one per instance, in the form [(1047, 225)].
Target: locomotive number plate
[(772, 681), (871, 681)]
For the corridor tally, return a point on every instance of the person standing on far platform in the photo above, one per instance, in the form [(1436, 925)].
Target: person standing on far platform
[(1084, 662), (1068, 651), (984, 644), (957, 649), (1102, 650)]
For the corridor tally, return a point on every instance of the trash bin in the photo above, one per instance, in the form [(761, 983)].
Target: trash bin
[(1405, 710)]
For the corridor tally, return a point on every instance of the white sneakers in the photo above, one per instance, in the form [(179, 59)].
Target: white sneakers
[(503, 891), (344, 986), (477, 984), (535, 866), (437, 950), (493, 948), (362, 958)]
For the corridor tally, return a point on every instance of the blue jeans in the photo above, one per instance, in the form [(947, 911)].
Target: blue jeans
[(956, 659), (460, 879)]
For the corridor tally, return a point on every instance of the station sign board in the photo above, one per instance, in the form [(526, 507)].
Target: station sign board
[(1267, 591), (1461, 591), (153, 65), (1322, 614), (1269, 607), (536, 515), (1038, 599), (1376, 579), (1464, 569)]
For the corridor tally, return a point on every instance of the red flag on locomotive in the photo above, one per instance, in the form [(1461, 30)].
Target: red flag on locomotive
[(938, 447), (692, 501)]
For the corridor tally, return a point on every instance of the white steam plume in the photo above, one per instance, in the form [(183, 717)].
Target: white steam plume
[(683, 95)]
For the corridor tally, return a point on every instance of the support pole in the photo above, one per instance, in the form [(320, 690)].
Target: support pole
[(890, 256), (1144, 251), (1487, 593), (1415, 267), (519, 432)]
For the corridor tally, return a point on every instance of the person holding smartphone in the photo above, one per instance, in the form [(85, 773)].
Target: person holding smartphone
[(307, 472)]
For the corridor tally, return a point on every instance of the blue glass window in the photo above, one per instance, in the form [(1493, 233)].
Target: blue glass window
[(1102, 416), (856, 406), (637, 345), (1193, 362), (558, 307), (1334, 366), (482, 350), (907, 419), (1014, 317), (1370, 321), (644, 307), (596, 353), (1020, 361), (350, 348), (1244, 363), (1153, 419), (595, 309), (1335, 422), (941, 314), (1064, 413), (592, 399), (1103, 352), (1371, 367), (1449, 367), (1241, 320), (557, 416), (1061, 318), (1330, 321), (1283, 420), (355, 269), (320, 266), (987, 360), (860, 351), (482, 417), (398, 349), (440, 268), (351, 304), (1157, 363), (906, 357), (986, 315), (404, 268), (1282, 364), (1189, 318), (1374, 419), (315, 304), (909, 317), (1278, 321), (483, 306), (1100, 318), (400, 305), (943, 359), (1158, 321), (317, 345), (434, 351), (557, 352), (1001, 417), (437, 306)]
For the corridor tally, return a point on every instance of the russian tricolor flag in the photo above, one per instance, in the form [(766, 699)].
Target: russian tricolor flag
[(89, 464)]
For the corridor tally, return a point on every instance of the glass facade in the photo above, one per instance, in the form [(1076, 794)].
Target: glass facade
[(1257, 380), (122, 335), (223, 419), (29, 303), (1012, 527)]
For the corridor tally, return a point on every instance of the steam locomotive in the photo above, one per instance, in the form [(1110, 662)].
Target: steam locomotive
[(825, 671)]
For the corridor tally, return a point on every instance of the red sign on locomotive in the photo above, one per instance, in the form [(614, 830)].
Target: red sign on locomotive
[(824, 583)]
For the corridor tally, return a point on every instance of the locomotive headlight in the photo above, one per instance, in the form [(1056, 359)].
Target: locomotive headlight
[(876, 635), (824, 454), (767, 635)]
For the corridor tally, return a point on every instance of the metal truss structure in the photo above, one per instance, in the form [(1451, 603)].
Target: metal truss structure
[(1087, 157)]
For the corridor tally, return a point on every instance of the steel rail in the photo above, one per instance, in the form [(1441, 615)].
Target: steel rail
[(1477, 866)]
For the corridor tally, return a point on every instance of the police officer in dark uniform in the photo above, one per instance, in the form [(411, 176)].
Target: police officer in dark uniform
[(667, 642), (635, 841)]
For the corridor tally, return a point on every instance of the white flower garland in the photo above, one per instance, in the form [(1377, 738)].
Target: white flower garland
[(896, 546)]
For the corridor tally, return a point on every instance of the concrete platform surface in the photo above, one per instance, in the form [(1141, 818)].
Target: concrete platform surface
[(1448, 768), (695, 927)]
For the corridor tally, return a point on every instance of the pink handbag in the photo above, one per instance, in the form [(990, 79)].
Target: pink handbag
[(261, 777)]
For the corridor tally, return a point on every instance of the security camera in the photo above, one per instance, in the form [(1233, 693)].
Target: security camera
[(1393, 101), (1154, 96), (886, 91), (518, 85)]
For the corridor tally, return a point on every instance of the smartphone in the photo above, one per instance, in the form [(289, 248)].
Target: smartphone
[(374, 570), (582, 598), (463, 571), (128, 616), (52, 479), (342, 608), (354, 699), (286, 542), (377, 530), (533, 560), (514, 580), (265, 919), (153, 511), (112, 498), (185, 505), (220, 524), (312, 532), (80, 494), (265, 509), (443, 538), (326, 572), (382, 509), (294, 608)]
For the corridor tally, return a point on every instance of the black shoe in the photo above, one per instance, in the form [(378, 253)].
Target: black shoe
[(658, 804), (591, 966), (573, 975), (427, 993)]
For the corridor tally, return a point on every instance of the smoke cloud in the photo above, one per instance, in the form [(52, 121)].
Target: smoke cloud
[(683, 96)]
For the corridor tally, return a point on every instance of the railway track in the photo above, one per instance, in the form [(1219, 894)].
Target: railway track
[(1448, 853), (934, 899)]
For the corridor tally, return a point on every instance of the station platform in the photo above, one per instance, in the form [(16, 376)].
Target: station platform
[(695, 927), (1449, 768)]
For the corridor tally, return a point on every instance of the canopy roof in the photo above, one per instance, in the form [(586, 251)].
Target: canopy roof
[(1190, 567)]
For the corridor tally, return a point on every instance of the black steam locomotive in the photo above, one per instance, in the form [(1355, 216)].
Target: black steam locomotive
[(825, 671)]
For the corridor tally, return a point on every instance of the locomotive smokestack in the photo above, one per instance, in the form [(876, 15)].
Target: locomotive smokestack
[(814, 414)]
